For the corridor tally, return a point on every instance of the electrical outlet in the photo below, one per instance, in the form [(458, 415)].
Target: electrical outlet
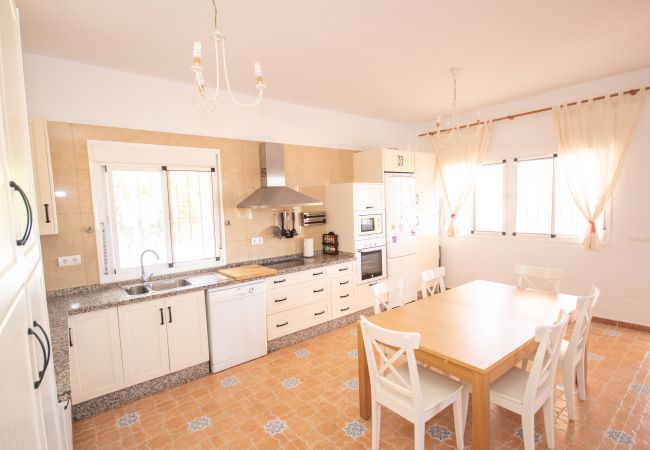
[(257, 240), (69, 260)]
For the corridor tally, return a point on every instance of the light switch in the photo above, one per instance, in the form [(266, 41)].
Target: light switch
[(69, 260)]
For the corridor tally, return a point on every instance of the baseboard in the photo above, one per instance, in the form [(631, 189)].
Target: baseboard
[(619, 323)]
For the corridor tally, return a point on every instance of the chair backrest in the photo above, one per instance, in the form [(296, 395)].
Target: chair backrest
[(580, 331), (388, 294), (386, 383), (432, 279), (542, 374), (541, 278)]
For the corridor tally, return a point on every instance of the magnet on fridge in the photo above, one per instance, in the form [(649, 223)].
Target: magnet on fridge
[(401, 228), (394, 238)]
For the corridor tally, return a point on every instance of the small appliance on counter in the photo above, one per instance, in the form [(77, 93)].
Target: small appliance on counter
[(331, 243), (308, 248)]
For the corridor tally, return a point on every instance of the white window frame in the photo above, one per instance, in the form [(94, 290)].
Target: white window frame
[(505, 203), (105, 156)]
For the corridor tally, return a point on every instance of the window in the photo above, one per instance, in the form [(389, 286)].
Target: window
[(174, 210), (489, 198)]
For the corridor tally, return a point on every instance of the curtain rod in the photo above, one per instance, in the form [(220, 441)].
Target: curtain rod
[(535, 111)]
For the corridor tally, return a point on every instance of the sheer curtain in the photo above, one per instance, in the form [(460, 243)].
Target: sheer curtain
[(460, 153), (593, 139)]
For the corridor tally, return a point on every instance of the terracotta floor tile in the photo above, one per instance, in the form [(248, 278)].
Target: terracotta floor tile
[(267, 409)]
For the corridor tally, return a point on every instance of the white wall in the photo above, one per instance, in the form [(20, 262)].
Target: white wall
[(67, 91), (622, 268)]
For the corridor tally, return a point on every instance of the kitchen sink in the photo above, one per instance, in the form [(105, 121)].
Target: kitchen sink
[(165, 285), (136, 289)]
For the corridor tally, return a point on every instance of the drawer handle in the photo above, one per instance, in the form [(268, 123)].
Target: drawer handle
[(317, 273), (345, 309), (369, 207), (281, 324), (343, 269), (318, 314), (316, 291), (343, 282), (343, 296), (162, 317), (280, 300), (279, 281), (372, 284)]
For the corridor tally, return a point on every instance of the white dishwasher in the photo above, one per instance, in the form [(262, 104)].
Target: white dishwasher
[(236, 324)]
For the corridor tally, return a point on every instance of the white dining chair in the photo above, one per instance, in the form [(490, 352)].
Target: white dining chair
[(388, 294), (416, 394), (573, 351), (540, 278), (524, 392), (432, 280)]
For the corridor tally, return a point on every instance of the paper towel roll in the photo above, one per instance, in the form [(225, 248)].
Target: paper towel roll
[(308, 248)]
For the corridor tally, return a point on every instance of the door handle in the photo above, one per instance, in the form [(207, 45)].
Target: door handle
[(162, 317), (30, 217), (344, 296), (345, 309), (278, 300), (169, 309), (319, 313), (46, 356), (282, 324), (70, 337), (47, 213), (341, 283), (279, 281), (316, 291), (316, 273)]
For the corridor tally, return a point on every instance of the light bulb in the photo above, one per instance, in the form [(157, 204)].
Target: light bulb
[(258, 72), (197, 52)]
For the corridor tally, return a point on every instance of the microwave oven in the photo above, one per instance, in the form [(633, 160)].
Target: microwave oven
[(369, 224)]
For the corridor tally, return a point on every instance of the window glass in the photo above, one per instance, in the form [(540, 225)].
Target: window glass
[(534, 196), (489, 205), (139, 215)]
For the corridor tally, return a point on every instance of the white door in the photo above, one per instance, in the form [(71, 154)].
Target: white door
[(20, 426), (405, 267), (95, 356), (143, 334), (46, 391), (425, 180), (400, 215), (187, 330), (45, 207)]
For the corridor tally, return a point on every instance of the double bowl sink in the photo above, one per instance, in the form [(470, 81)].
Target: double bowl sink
[(168, 285)]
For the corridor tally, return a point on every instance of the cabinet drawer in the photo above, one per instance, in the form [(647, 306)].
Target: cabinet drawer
[(289, 279), (293, 320), (342, 282), (278, 300), (364, 295), (341, 269), (343, 308), (340, 295)]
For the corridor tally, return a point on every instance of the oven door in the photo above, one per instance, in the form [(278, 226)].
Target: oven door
[(369, 225), (371, 264)]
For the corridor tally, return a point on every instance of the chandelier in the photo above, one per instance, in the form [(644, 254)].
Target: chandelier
[(452, 127), (209, 100)]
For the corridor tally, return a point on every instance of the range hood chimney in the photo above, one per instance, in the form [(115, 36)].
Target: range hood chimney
[(274, 193)]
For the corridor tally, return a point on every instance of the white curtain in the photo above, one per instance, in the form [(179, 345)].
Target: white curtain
[(593, 139), (460, 153)]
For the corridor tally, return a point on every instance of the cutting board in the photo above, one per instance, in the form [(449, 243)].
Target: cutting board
[(249, 271)]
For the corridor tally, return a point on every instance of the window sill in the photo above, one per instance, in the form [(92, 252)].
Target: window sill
[(521, 237), (158, 270)]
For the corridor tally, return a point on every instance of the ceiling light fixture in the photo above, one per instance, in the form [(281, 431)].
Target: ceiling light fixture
[(209, 101), (453, 126)]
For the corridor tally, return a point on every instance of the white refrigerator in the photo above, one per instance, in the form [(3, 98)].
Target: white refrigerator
[(401, 229)]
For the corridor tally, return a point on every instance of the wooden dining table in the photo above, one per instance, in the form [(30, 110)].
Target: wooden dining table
[(475, 332)]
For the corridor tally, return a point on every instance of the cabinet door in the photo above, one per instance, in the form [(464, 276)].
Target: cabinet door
[(405, 267), (95, 355), (368, 196), (425, 179), (392, 160), (45, 207), (407, 161), (187, 330), (143, 334), (364, 295), (20, 426)]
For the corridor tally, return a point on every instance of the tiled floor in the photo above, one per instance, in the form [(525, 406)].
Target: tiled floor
[(305, 396)]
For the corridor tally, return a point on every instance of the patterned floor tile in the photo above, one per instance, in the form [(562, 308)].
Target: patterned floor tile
[(291, 383), (519, 432), (247, 406), (611, 332), (595, 356)]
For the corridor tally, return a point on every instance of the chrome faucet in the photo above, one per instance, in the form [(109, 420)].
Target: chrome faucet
[(146, 278)]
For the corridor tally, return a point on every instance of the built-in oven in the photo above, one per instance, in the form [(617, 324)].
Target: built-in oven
[(371, 263), (369, 224)]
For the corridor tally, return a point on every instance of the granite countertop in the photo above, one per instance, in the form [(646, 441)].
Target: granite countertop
[(66, 302)]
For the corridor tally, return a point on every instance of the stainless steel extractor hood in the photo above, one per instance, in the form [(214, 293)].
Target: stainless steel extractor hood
[(274, 193)]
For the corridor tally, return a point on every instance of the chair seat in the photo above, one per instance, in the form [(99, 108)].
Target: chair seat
[(510, 386), (436, 388)]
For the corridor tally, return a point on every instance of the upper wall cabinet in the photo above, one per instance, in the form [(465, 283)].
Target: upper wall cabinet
[(45, 201), (425, 180), (370, 165)]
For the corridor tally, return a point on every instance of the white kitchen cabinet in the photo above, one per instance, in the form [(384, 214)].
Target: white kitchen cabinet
[(368, 196), (143, 336), (369, 166), (95, 354), (297, 319), (187, 330), (278, 300), (396, 160), (364, 295), (45, 207), (425, 180), (405, 267)]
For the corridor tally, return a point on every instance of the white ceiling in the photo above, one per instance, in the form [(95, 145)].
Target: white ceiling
[(378, 58)]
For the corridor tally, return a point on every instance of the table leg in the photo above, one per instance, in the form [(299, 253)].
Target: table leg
[(480, 412), (364, 378)]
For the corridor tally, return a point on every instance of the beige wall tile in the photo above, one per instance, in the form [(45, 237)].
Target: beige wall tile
[(61, 149), (63, 277), (65, 180), (89, 239), (69, 241), (84, 192), (237, 251), (92, 271), (236, 231)]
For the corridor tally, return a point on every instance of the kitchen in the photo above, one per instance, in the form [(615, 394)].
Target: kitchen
[(181, 270)]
